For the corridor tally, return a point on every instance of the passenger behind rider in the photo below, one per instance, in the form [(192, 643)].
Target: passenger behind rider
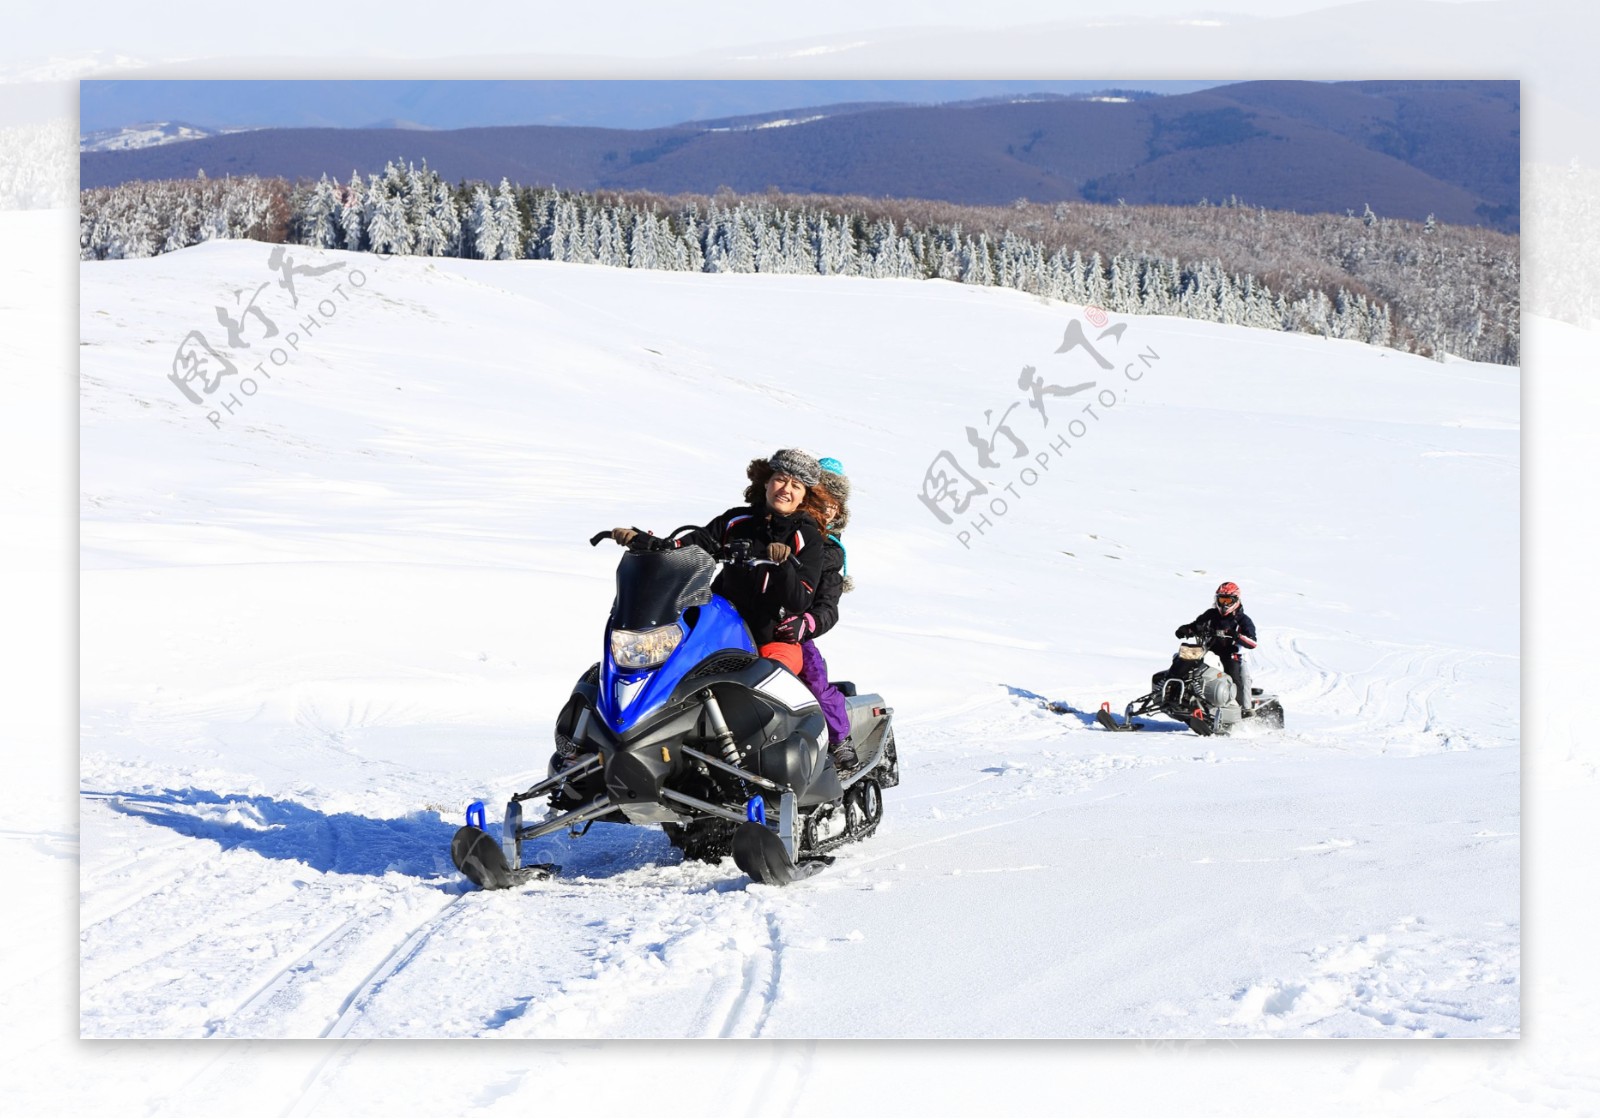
[(781, 532), (831, 497)]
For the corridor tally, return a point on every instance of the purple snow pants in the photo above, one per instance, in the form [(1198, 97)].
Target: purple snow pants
[(814, 675)]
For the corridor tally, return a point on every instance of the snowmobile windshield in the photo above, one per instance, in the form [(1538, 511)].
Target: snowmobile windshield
[(1191, 652), (654, 588)]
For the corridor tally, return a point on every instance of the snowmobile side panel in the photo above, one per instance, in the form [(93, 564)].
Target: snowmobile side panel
[(797, 763)]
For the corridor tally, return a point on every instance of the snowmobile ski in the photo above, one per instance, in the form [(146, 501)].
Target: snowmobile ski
[(759, 852), (1106, 719), (478, 856)]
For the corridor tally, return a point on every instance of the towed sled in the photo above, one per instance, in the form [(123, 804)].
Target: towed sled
[(683, 726), (1196, 691)]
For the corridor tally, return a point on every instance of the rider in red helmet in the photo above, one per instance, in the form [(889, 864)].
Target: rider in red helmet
[(1226, 629)]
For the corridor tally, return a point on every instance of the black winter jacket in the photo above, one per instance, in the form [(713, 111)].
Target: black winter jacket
[(764, 594), (1228, 632), (825, 606)]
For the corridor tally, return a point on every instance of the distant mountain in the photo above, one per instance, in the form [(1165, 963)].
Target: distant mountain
[(590, 103), (1450, 148), (1407, 149), (144, 136)]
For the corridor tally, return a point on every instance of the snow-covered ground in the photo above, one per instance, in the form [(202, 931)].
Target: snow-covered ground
[(313, 631)]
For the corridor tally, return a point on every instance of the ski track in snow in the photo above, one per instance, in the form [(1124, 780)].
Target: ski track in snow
[(1395, 700), (353, 1004), (1406, 981), (370, 596), (678, 949)]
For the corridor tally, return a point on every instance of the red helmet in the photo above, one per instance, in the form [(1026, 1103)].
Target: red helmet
[(1228, 597)]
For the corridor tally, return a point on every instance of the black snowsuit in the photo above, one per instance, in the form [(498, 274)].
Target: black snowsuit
[(1226, 635), (765, 594), (824, 609)]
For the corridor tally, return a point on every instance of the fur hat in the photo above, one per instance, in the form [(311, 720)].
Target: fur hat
[(838, 488), (797, 464), (833, 479)]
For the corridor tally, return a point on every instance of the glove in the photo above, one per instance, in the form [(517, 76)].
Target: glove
[(796, 629), (778, 553), (1185, 630), (624, 535)]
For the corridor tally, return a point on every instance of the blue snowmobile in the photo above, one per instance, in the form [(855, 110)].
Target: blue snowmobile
[(684, 726)]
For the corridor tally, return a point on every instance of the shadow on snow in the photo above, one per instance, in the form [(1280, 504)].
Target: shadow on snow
[(337, 843), (346, 843), (1062, 707)]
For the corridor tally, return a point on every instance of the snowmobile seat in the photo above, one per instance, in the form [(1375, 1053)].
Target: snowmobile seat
[(845, 687)]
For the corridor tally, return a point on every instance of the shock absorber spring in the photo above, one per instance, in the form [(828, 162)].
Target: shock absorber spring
[(719, 727)]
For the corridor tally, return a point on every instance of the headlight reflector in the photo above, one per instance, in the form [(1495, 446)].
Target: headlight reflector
[(644, 648)]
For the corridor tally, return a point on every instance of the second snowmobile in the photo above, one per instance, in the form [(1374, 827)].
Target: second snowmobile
[(1197, 692)]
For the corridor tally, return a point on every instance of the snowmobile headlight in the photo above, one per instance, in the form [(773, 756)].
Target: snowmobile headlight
[(644, 648)]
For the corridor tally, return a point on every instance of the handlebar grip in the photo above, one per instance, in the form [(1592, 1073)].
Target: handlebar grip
[(599, 536)]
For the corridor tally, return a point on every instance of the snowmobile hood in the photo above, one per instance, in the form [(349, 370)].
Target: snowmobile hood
[(628, 697)]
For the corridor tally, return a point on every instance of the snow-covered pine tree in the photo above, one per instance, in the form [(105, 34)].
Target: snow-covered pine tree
[(352, 204), (481, 236), (318, 220), (388, 230), (507, 224), (444, 222), (611, 249)]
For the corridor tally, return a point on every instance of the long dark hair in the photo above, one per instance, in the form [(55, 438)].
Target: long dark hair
[(760, 472)]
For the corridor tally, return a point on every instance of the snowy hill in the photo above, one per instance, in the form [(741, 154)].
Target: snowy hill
[(314, 629), (143, 136)]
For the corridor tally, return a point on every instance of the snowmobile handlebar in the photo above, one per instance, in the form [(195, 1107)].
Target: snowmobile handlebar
[(739, 553), (652, 543)]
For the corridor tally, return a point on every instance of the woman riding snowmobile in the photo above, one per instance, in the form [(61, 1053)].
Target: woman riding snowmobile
[(778, 529)]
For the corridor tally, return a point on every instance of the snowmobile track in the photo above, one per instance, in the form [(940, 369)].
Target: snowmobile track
[(755, 988), (291, 973), (355, 1002)]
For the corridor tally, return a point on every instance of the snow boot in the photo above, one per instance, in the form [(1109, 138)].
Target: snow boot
[(844, 757)]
